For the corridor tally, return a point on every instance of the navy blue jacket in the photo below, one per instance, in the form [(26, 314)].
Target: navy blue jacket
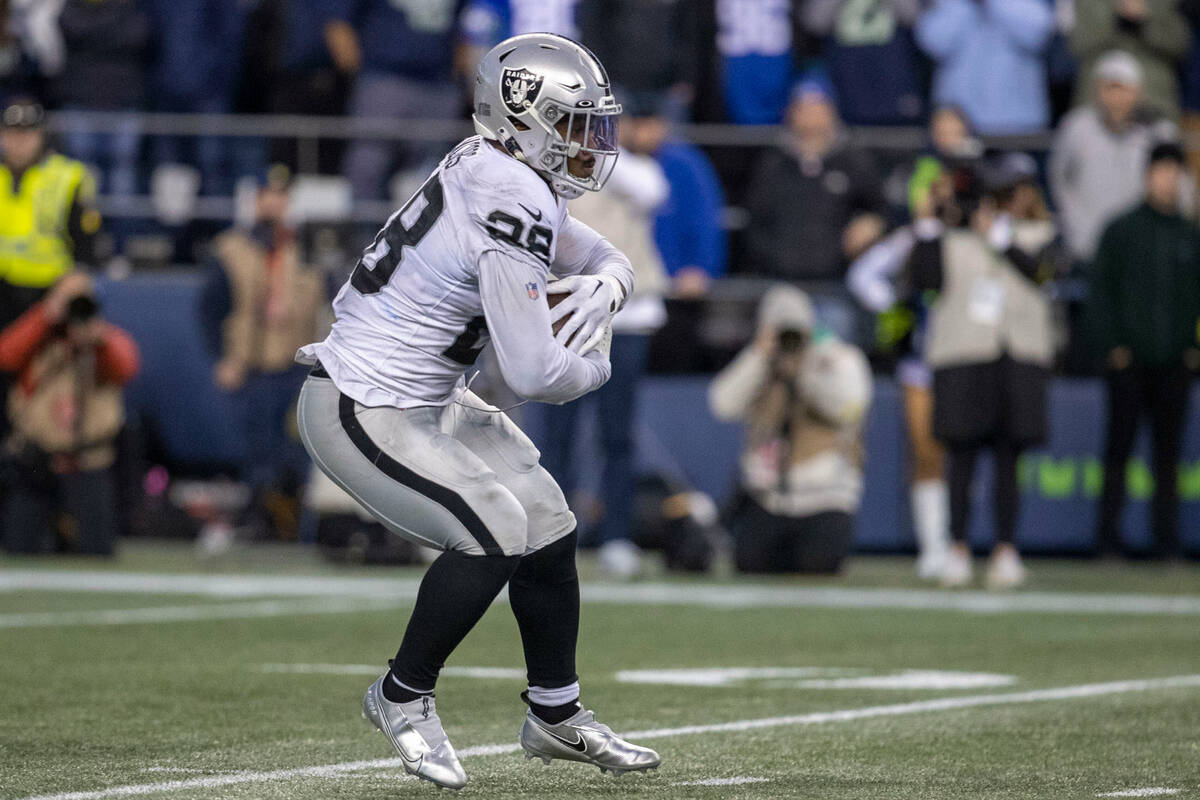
[(394, 41)]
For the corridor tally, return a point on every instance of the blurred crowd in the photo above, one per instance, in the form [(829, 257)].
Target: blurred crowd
[(975, 264)]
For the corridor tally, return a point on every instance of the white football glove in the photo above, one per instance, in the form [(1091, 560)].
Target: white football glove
[(591, 301), (603, 340)]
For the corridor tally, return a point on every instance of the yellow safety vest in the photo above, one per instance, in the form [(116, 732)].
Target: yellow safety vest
[(35, 246)]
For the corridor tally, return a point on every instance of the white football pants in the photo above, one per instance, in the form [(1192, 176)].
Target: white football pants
[(459, 477)]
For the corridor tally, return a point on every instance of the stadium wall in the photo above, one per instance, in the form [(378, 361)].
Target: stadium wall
[(189, 417)]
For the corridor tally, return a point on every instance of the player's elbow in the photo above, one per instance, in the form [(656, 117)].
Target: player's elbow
[(537, 386)]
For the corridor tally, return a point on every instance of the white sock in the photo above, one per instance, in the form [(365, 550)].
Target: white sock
[(404, 685), (931, 517), (553, 697)]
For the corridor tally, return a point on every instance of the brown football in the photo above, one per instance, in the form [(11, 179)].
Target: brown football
[(552, 300)]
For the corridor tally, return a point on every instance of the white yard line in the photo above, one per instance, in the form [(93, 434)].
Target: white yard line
[(721, 596), (722, 782), (846, 715), (484, 673), (816, 678), (249, 610), (1150, 791), (212, 584)]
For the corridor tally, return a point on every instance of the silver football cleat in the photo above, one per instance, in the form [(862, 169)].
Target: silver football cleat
[(581, 738), (415, 730)]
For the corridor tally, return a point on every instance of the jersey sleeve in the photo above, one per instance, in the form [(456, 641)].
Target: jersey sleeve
[(583, 251), (871, 277), (509, 212), (512, 289)]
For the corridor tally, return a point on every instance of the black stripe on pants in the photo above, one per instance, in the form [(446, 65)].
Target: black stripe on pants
[(443, 496)]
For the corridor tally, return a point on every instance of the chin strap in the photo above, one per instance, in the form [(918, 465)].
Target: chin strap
[(510, 144)]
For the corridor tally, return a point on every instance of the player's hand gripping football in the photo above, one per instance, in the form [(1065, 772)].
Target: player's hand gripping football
[(590, 303)]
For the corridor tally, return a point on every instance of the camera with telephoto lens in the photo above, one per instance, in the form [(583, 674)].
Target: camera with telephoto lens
[(80, 309), (791, 341)]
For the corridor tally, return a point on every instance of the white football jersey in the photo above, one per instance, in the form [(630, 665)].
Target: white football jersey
[(464, 263)]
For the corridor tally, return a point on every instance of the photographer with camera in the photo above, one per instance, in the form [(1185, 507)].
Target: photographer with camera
[(66, 410), (803, 397), (990, 344)]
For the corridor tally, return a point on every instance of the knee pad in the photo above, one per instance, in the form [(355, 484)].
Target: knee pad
[(553, 564)]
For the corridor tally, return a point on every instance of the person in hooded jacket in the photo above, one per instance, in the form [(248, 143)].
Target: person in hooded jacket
[(803, 396)]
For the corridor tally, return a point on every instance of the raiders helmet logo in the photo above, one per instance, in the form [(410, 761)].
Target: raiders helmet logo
[(520, 88)]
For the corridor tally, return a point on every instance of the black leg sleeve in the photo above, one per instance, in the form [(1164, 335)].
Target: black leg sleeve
[(544, 593), (961, 468), (1007, 497), (455, 593)]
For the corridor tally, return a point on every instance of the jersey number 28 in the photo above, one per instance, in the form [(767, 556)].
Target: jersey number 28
[(379, 261)]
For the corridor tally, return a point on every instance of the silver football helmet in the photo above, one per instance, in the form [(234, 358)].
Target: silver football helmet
[(546, 99)]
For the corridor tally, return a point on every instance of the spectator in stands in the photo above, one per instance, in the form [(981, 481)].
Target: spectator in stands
[(66, 411), (872, 58), (624, 213), (18, 66), (10, 57), (690, 236), (651, 50), (485, 23), (990, 345), (814, 203), (108, 48), (199, 54), (755, 43), (1098, 162), (688, 230), (1146, 302), (1190, 84), (1152, 30), (403, 57), (259, 305), (947, 170), (48, 221), (488, 22), (34, 25), (300, 76), (990, 61), (803, 399)]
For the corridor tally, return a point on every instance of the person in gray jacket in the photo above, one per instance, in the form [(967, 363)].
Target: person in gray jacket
[(990, 345), (1098, 160)]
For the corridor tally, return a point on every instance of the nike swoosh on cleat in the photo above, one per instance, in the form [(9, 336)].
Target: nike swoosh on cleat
[(579, 745), (537, 217)]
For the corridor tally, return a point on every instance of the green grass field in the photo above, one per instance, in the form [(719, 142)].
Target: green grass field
[(157, 675)]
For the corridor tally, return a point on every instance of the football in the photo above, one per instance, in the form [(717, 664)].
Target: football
[(553, 299)]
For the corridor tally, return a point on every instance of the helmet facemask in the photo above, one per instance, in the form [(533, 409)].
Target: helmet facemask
[(546, 100), (577, 133)]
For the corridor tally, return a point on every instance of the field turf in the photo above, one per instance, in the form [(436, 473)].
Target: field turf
[(159, 675)]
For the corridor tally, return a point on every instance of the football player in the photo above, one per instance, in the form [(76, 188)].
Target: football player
[(387, 415)]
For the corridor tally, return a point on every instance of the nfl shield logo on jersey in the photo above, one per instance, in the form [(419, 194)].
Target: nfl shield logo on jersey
[(532, 289), (521, 88)]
